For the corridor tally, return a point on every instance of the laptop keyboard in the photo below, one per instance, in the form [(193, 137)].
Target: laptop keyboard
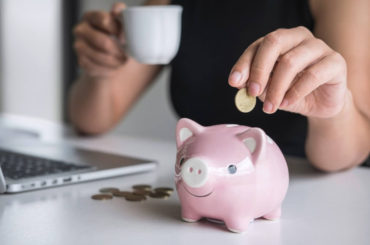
[(17, 166)]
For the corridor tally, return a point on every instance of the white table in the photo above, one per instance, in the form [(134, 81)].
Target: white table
[(318, 209)]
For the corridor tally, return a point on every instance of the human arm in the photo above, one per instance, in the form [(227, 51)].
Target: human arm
[(111, 80), (344, 140), (310, 77)]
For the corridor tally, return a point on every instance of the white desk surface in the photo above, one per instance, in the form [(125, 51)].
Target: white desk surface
[(318, 209)]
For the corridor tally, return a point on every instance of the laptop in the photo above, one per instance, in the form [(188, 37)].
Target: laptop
[(28, 163)]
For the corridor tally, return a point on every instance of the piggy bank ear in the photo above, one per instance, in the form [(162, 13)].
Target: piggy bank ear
[(185, 129), (255, 140)]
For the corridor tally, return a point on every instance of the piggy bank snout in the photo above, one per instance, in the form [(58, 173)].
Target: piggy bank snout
[(194, 172)]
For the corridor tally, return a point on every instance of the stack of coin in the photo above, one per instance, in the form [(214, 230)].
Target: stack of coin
[(142, 187), (135, 197), (102, 197), (162, 192), (108, 190), (123, 194), (159, 193), (139, 193)]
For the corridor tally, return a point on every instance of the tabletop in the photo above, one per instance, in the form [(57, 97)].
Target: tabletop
[(319, 208)]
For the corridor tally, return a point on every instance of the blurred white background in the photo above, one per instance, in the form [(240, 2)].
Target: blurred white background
[(31, 73)]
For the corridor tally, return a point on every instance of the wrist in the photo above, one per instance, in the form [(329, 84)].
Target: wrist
[(338, 142), (92, 78), (344, 114)]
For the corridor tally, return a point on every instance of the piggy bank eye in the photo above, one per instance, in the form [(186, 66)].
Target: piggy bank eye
[(232, 169), (182, 160)]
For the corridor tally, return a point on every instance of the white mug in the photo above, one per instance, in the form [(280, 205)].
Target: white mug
[(152, 33)]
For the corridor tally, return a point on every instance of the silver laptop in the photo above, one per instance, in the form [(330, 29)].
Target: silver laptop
[(30, 164)]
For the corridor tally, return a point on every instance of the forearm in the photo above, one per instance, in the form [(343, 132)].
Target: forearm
[(340, 142), (90, 104), (96, 105)]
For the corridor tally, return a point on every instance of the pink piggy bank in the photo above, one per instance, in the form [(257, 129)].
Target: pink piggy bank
[(230, 173)]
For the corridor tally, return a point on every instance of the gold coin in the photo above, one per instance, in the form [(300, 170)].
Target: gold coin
[(108, 190), (159, 195), (244, 102), (141, 192), (142, 187), (102, 197), (167, 190), (122, 193), (135, 198)]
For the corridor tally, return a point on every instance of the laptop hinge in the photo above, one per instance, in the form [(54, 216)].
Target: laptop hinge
[(2, 182)]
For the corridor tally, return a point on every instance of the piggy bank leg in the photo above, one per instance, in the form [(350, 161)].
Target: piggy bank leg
[(273, 215), (189, 216), (239, 224)]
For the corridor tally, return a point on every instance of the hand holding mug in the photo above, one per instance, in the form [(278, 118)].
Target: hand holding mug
[(99, 53), (152, 33)]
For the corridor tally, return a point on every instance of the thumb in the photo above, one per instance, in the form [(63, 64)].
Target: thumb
[(117, 8)]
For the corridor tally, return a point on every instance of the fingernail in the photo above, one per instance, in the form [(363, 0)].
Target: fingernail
[(284, 103), (235, 77), (267, 107), (253, 89)]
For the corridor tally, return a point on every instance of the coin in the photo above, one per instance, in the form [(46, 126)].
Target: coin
[(122, 193), (142, 187), (102, 197), (244, 102), (141, 192), (135, 198), (167, 190), (108, 190), (159, 195)]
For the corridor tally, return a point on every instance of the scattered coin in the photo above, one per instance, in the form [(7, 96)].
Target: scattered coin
[(244, 102), (142, 187), (122, 193), (108, 190), (135, 198), (159, 195), (102, 197), (167, 190), (141, 192)]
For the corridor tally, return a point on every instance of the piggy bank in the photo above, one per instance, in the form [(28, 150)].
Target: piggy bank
[(230, 173)]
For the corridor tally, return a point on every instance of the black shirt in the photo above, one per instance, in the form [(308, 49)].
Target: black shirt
[(214, 35)]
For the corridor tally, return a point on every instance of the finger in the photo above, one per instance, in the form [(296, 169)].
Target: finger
[(117, 8), (325, 71), (116, 13), (262, 96), (273, 45), (97, 39), (240, 71), (102, 21), (92, 68), (100, 58), (289, 65)]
